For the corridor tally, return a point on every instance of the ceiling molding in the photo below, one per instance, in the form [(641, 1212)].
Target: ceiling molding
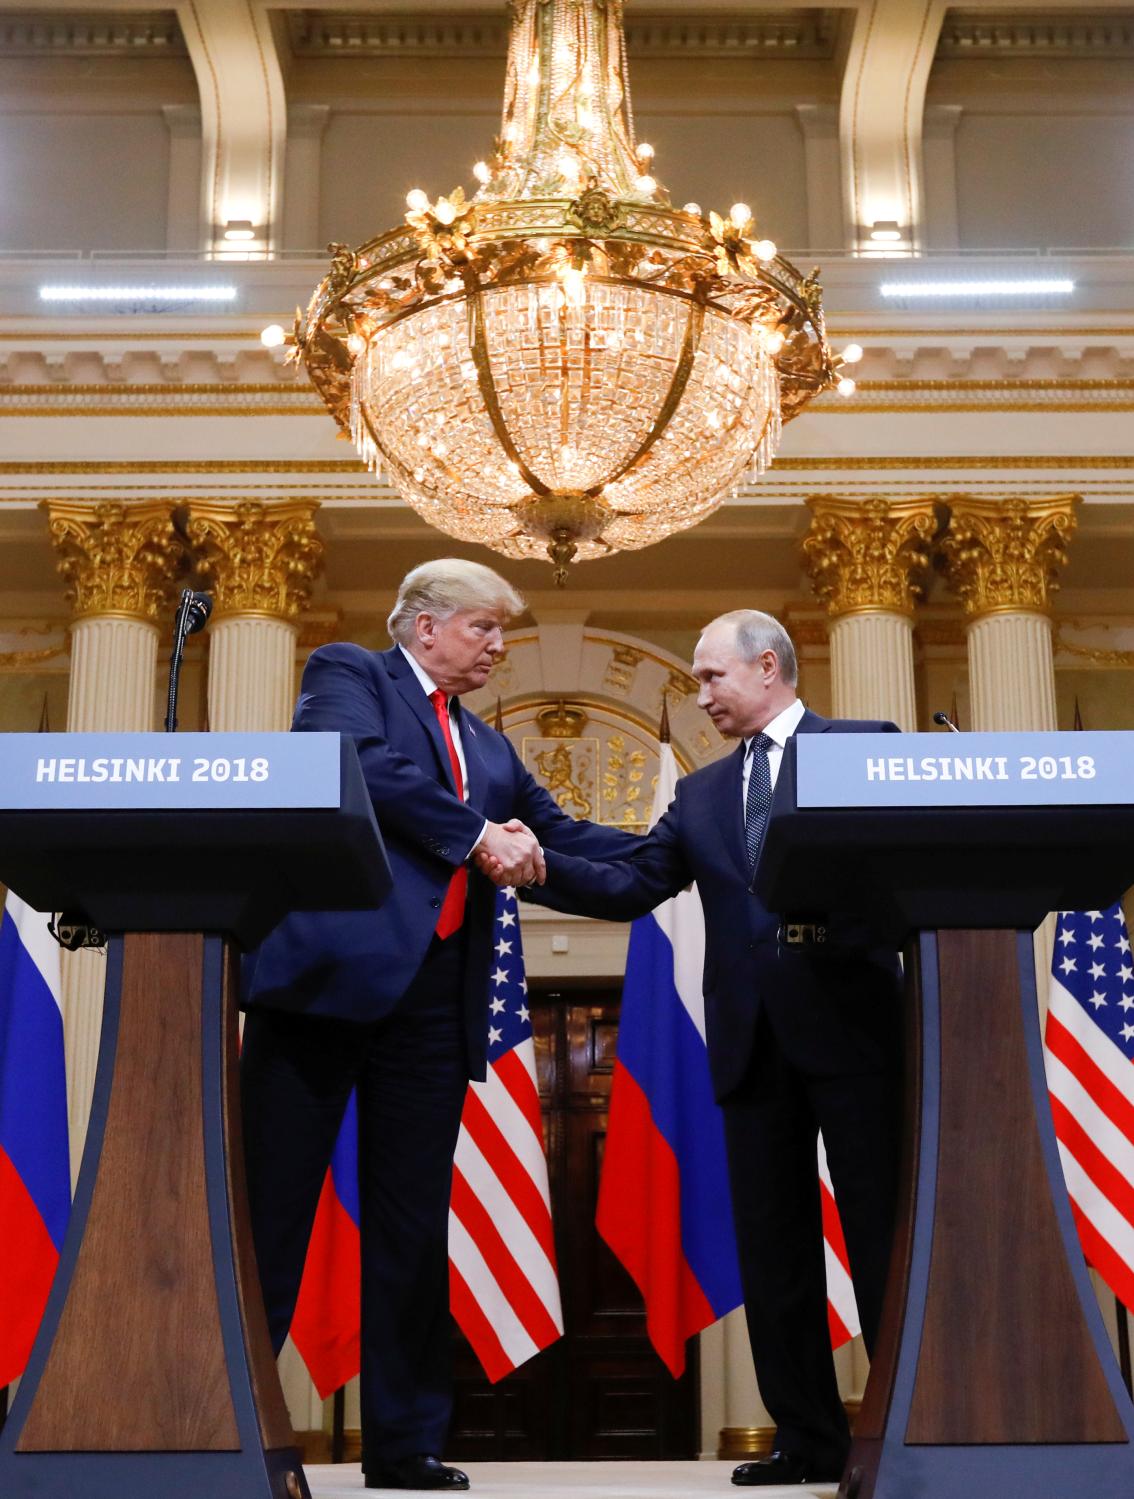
[(1047, 33), (100, 33), (809, 34)]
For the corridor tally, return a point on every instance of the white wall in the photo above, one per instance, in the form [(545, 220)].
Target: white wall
[(80, 181)]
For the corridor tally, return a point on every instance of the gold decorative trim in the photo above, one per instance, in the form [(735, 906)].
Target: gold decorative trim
[(136, 335), (874, 331), (260, 558), (528, 702), (116, 559), (909, 408), (1003, 556), (868, 555), (164, 412), (1092, 653), (165, 388), (737, 1444)]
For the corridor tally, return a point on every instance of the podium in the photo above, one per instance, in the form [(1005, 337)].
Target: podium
[(993, 1374), (152, 1374)]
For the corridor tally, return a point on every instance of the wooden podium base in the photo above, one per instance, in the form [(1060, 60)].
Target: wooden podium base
[(993, 1375), (153, 1373)]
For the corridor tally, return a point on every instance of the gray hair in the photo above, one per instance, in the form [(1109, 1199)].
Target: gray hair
[(756, 633), (442, 587)]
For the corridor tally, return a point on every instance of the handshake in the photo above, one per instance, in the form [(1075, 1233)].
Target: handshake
[(509, 854)]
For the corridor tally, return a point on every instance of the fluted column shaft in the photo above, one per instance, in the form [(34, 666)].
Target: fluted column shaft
[(872, 668), (251, 673), (1012, 672), (866, 560), (120, 563)]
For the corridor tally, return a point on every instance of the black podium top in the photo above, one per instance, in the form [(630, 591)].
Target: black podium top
[(236, 867), (974, 865)]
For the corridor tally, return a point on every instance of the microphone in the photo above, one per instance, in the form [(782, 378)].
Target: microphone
[(193, 612), (945, 721)]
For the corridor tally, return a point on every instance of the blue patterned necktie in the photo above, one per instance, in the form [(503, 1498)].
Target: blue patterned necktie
[(759, 797)]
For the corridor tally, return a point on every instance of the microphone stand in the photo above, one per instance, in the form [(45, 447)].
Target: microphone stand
[(192, 615)]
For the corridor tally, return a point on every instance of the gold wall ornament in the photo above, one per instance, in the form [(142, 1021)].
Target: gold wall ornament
[(116, 557), (565, 365), (562, 720), (868, 555), (257, 557), (1005, 555)]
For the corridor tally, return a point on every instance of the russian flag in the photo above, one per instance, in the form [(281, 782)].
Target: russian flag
[(325, 1327), (664, 1205), (35, 1172)]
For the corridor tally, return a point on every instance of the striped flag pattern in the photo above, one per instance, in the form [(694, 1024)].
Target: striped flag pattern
[(842, 1309), (1089, 1054), (35, 1173), (503, 1280)]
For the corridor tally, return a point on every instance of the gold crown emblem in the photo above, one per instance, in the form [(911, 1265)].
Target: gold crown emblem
[(559, 721)]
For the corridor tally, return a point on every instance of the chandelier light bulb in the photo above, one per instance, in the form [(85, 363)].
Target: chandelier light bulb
[(481, 172), (764, 249), (645, 152), (846, 386), (645, 184), (741, 215), (417, 200), (693, 208), (573, 282), (356, 344), (774, 341), (443, 211), (852, 354), (272, 336)]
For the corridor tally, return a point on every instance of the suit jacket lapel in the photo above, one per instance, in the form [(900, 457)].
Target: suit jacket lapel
[(415, 699), (471, 730), (729, 808)]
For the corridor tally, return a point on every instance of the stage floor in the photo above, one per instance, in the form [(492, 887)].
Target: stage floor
[(572, 1481)]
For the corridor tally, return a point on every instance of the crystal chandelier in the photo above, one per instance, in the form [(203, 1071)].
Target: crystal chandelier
[(565, 365)]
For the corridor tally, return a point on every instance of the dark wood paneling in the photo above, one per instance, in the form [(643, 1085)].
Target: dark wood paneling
[(137, 1364), (600, 1391), (999, 1280)]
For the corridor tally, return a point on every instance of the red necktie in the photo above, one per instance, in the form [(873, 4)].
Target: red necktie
[(453, 906)]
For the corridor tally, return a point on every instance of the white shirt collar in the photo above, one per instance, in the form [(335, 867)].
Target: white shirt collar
[(429, 686), (782, 727)]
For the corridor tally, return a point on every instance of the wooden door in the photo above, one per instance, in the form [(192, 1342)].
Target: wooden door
[(601, 1391)]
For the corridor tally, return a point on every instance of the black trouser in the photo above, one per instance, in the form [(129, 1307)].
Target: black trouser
[(411, 1072), (771, 1123)]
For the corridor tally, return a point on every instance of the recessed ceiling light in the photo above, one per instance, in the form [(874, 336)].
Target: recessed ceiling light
[(137, 293), (240, 229), (1031, 288), (886, 229)]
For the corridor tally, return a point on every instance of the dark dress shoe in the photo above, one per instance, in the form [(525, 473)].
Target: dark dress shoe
[(781, 1467), (421, 1471)]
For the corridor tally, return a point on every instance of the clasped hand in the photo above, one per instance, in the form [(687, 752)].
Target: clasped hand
[(509, 854)]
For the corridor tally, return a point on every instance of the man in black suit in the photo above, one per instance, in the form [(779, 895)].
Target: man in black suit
[(802, 1035), (394, 1002)]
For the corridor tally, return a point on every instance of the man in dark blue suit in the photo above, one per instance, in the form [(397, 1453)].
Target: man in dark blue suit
[(803, 1029), (395, 1001)]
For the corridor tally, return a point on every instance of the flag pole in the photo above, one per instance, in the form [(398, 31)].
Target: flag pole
[(3, 1405), (338, 1424)]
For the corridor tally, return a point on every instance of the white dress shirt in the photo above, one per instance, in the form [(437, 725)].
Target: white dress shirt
[(779, 731), (429, 686)]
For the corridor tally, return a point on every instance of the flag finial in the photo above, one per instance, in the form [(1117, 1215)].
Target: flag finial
[(45, 726), (1077, 722), (663, 725), (498, 722)]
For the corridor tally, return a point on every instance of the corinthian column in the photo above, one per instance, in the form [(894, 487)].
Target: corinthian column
[(867, 561), (260, 560), (1002, 558), (120, 563)]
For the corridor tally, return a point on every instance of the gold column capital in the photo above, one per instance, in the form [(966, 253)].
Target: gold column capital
[(1004, 556), (258, 557), (116, 558), (868, 556)]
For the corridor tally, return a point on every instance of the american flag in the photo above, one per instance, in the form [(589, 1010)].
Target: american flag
[(503, 1282), (1089, 1051), (842, 1309)]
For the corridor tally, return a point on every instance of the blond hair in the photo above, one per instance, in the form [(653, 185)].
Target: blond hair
[(445, 585)]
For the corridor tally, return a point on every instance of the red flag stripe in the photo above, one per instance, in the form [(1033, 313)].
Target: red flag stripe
[(490, 1141), (839, 1333), (1063, 1045), (476, 1327), (523, 1298), (1099, 1167), (512, 1072), (1111, 1266), (833, 1228)]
